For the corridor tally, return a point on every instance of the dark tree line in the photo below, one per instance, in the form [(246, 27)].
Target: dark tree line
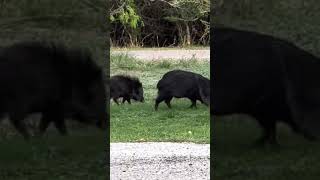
[(159, 23)]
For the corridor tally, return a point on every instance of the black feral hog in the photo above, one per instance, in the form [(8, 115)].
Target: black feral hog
[(267, 78), (183, 84), (50, 79), (126, 87)]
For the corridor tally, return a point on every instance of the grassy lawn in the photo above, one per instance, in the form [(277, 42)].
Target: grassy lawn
[(81, 155), (236, 158), (140, 122)]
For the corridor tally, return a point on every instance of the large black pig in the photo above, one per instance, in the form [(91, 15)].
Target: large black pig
[(268, 78), (126, 87), (183, 84), (53, 80)]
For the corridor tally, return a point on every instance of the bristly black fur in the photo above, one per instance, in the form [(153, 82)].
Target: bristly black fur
[(268, 78), (127, 87), (53, 80), (134, 80)]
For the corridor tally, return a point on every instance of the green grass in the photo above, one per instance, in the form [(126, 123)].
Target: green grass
[(236, 157), (140, 122), (162, 48), (81, 155)]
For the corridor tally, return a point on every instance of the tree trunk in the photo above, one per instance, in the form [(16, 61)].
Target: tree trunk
[(188, 34)]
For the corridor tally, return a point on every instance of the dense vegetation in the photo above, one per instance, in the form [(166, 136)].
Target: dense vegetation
[(160, 23), (294, 20)]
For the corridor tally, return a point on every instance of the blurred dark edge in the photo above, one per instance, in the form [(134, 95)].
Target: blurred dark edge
[(107, 65), (75, 23), (211, 88), (295, 21)]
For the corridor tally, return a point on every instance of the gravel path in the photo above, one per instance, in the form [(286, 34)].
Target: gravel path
[(157, 161), (203, 54)]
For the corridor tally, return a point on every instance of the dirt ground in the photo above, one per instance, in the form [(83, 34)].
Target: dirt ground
[(203, 54)]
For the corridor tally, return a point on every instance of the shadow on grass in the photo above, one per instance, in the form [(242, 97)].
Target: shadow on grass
[(81, 155), (237, 157)]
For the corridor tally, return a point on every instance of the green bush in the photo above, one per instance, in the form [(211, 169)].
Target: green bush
[(160, 23)]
